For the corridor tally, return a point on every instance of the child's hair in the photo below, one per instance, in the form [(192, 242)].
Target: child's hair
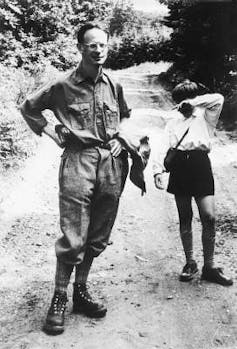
[(185, 90)]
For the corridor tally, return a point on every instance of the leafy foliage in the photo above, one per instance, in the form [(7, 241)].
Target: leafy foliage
[(136, 37), (122, 17), (203, 44), (134, 47), (36, 32)]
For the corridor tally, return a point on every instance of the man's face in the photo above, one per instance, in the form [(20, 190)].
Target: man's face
[(94, 49)]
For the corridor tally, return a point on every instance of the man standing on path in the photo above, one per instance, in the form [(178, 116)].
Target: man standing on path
[(93, 169)]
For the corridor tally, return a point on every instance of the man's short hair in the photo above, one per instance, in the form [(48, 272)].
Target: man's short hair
[(87, 26)]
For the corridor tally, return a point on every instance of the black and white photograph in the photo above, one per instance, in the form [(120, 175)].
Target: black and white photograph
[(118, 174)]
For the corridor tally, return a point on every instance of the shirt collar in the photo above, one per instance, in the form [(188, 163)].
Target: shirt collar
[(79, 76)]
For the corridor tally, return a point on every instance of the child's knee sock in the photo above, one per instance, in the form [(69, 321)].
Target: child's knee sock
[(187, 241), (208, 242)]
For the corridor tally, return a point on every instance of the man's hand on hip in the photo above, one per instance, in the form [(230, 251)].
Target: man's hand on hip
[(49, 130)]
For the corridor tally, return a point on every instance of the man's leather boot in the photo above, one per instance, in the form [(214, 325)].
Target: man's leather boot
[(84, 303), (55, 318)]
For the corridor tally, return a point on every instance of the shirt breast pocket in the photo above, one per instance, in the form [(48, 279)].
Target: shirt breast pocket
[(80, 116), (111, 116)]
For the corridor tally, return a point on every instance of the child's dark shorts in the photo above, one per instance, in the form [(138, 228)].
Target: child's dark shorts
[(192, 174)]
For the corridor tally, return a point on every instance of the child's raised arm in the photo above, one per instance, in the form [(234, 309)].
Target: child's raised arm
[(212, 103)]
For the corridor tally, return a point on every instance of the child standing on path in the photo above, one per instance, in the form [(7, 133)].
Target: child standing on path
[(191, 175)]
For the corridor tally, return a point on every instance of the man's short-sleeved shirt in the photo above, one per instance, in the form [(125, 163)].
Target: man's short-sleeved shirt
[(91, 111)]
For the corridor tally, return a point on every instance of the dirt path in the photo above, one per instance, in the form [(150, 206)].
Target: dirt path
[(137, 275)]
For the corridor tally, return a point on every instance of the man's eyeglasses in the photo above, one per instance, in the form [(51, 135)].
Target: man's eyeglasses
[(93, 46)]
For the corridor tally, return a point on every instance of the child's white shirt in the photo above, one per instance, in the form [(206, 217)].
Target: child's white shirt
[(201, 124)]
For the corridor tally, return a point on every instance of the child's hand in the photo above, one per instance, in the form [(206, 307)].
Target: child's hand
[(159, 183), (116, 147)]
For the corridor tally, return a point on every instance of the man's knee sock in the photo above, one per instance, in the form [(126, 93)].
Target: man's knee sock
[(62, 276), (83, 269)]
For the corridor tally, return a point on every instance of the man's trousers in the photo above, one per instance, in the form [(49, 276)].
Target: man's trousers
[(90, 184)]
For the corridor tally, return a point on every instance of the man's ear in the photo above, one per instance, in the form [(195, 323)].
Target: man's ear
[(80, 47)]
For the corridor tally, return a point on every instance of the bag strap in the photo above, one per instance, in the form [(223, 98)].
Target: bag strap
[(181, 139)]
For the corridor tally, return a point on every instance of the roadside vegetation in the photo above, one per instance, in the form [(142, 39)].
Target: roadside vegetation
[(203, 46)]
